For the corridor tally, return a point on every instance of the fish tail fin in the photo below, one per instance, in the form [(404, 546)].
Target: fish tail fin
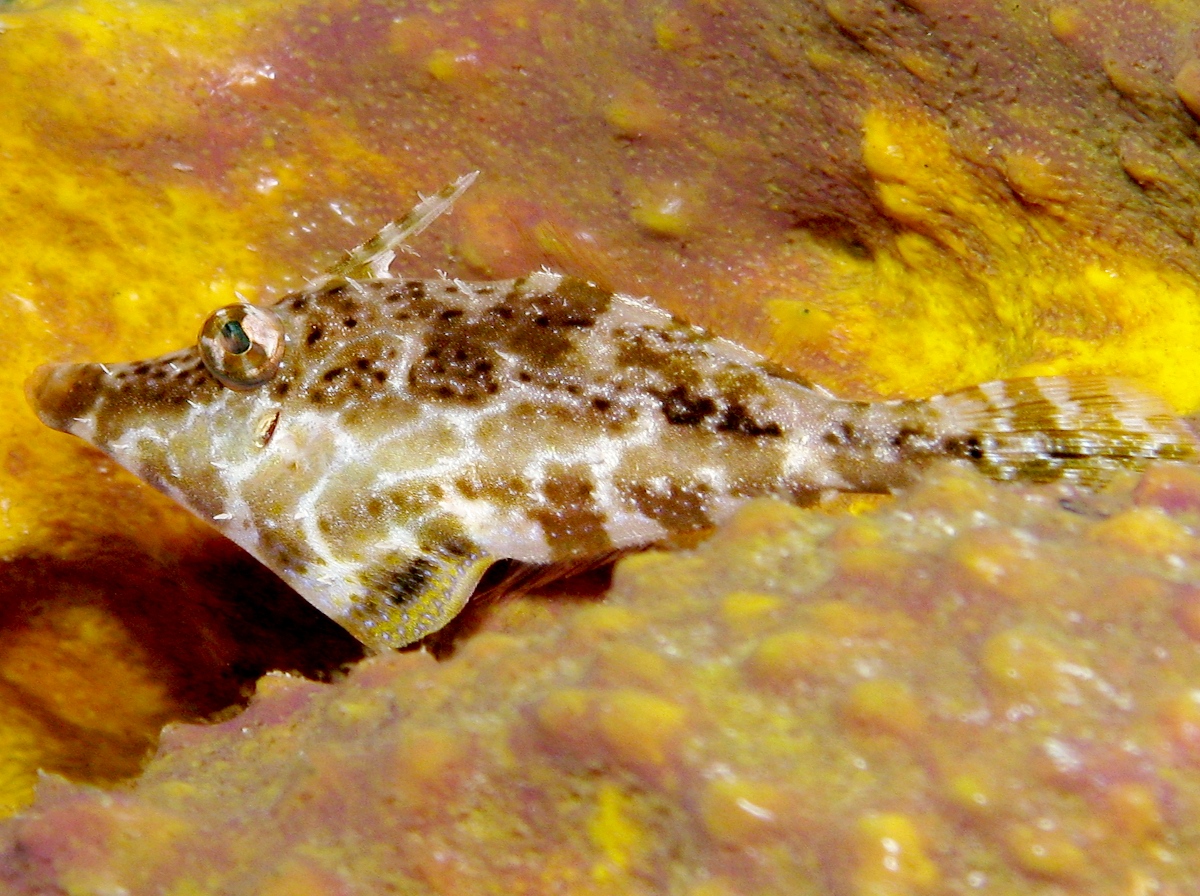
[(373, 257), (1080, 428)]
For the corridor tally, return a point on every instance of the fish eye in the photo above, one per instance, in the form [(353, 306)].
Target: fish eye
[(233, 334), (242, 345)]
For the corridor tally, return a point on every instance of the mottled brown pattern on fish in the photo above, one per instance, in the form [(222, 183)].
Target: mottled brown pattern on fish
[(542, 327), (459, 362), (379, 441)]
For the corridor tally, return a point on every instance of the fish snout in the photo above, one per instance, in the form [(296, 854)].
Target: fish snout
[(60, 393)]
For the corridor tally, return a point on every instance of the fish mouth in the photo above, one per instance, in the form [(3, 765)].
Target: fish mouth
[(61, 393)]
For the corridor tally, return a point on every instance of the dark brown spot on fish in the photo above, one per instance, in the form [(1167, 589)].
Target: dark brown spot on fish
[(458, 546), (504, 312), (284, 548), (415, 302), (738, 420), (350, 323), (497, 488), (845, 434), (443, 536), (681, 407), (677, 508), (643, 349), (572, 524), (408, 291), (413, 500), (459, 362), (409, 581), (969, 446), (314, 334), (911, 438)]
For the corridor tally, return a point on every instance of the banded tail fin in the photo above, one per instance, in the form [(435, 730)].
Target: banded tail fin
[(1079, 428)]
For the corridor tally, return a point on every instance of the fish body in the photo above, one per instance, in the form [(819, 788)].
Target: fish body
[(379, 442)]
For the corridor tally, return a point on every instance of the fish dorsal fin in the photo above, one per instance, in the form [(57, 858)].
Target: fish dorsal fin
[(372, 258), (1081, 428), (413, 595)]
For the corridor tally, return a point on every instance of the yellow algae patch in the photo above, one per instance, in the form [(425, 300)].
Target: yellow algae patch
[(24, 744), (884, 706), (891, 857), (739, 812), (667, 208), (297, 877), (1047, 852), (427, 761), (978, 284), (613, 832), (743, 611), (1028, 665), (623, 663), (1134, 812), (1145, 530), (788, 659), (113, 81), (641, 729)]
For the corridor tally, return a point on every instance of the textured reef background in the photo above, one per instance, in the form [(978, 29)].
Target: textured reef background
[(974, 688)]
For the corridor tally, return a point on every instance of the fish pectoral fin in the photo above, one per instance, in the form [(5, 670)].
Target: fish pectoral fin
[(1082, 428), (411, 596)]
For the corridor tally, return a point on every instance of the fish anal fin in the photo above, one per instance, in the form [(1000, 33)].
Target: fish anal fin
[(1081, 428), (413, 595)]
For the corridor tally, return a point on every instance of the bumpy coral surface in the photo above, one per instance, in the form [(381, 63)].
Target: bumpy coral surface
[(975, 689), (894, 198)]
